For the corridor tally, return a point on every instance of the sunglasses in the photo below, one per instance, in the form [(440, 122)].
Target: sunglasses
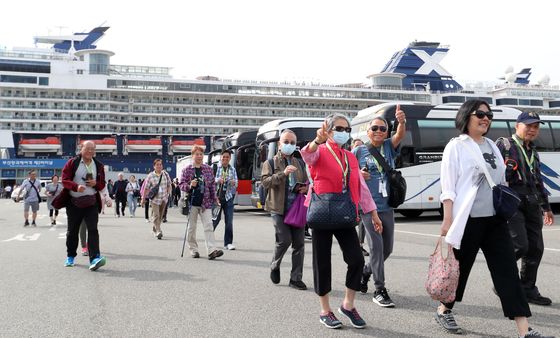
[(341, 128), (480, 114), (380, 128)]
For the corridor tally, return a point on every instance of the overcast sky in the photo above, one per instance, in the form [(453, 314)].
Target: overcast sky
[(328, 41)]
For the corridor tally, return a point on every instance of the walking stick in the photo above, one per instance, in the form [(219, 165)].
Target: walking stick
[(188, 219)]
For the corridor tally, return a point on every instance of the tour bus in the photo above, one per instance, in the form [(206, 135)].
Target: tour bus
[(429, 129), (267, 144), (242, 147)]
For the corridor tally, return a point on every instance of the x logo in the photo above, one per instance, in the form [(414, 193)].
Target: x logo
[(431, 63)]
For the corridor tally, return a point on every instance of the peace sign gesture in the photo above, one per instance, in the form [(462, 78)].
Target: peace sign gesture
[(322, 133)]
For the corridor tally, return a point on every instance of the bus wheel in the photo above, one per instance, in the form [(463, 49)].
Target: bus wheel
[(411, 213)]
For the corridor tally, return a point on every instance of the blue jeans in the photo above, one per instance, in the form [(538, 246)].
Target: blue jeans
[(227, 208), (132, 203)]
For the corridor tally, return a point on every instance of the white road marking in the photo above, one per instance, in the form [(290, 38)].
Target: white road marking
[(23, 238)]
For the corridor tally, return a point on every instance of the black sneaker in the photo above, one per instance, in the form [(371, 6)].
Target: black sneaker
[(26, 224), (354, 317), (308, 235), (297, 285), (381, 298), (538, 299), (195, 254), (275, 276), (34, 224), (535, 333), (363, 283), (447, 322), (330, 321), (364, 251), (164, 220), (215, 254)]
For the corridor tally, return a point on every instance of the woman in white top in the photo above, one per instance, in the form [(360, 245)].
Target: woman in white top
[(132, 194), (469, 219)]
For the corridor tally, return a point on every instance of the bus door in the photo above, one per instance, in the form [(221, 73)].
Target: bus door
[(242, 160), (264, 151)]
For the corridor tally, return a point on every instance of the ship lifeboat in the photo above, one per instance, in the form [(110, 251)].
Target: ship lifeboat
[(40, 145), (185, 146), (143, 146), (105, 145)]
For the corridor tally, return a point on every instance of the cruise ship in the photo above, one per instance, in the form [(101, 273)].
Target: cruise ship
[(54, 97)]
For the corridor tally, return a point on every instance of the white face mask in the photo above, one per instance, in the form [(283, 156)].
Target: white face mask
[(288, 149), (341, 137)]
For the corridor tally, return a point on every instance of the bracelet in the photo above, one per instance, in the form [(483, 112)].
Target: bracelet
[(317, 143)]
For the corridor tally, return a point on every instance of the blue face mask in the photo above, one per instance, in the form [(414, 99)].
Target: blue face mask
[(341, 137), (288, 149)]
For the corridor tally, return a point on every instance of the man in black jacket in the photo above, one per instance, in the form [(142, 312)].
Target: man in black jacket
[(524, 176), (119, 191)]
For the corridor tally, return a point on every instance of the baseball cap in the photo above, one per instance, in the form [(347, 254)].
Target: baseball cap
[(529, 118)]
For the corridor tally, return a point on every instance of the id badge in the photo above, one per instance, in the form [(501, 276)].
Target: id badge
[(383, 188)]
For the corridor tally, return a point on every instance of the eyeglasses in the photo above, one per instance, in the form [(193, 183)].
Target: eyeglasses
[(380, 128), (341, 128), (480, 114)]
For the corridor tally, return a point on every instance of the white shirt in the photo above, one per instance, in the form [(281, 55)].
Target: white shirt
[(459, 181), (81, 174)]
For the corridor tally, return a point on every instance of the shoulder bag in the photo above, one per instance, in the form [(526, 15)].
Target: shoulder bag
[(506, 201), (332, 211), (397, 183), (155, 190)]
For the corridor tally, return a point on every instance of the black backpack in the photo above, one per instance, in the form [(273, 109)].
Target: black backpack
[(397, 183)]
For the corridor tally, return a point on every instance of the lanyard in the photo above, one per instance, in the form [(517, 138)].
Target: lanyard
[(379, 166), (344, 171), (88, 167), (529, 161), (225, 173)]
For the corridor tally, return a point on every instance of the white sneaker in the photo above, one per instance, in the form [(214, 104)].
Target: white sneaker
[(147, 221), (231, 247)]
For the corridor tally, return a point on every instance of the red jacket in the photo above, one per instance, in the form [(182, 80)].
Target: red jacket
[(68, 183)]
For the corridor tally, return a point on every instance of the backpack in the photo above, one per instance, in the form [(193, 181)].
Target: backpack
[(397, 183)]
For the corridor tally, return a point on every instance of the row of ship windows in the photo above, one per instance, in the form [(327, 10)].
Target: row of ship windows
[(184, 98), (172, 109), (158, 119), (121, 129)]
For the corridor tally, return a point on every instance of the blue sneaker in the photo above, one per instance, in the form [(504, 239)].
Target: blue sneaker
[(96, 263), (69, 262), (330, 321), (354, 317)]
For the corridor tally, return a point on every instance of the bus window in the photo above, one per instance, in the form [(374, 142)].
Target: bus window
[(435, 134), (244, 163), (498, 129), (544, 142), (556, 133)]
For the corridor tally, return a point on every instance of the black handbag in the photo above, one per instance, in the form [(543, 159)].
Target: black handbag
[(397, 183), (186, 204), (506, 201), (331, 211), (155, 190)]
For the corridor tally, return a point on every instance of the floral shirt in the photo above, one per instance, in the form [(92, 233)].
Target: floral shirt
[(209, 186)]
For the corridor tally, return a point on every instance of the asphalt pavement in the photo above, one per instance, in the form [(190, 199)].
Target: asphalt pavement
[(147, 290)]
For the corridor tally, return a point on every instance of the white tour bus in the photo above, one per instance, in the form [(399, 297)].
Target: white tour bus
[(429, 129), (267, 144)]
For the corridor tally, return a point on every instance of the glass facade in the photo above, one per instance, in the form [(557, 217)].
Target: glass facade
[(99, 64)]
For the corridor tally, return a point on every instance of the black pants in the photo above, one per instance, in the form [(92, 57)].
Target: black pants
[(120, 203), (492, 236), (75, 216), (51, 211), (526, 231), (351, 252), (147, 209), (361, 233)]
